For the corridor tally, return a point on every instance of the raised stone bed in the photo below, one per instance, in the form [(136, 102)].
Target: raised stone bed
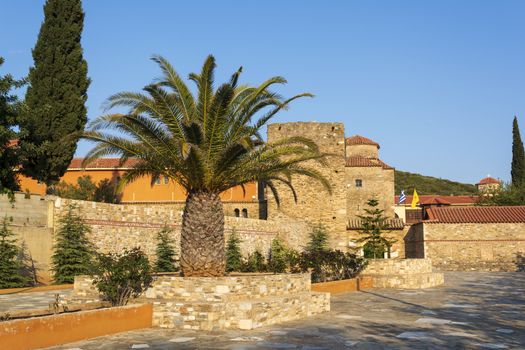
[(402, 273), (240, 302)]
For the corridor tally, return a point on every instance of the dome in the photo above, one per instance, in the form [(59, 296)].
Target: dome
[(488, 180), (360, 140)]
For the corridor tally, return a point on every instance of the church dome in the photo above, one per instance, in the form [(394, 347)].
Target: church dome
[(360, 140)]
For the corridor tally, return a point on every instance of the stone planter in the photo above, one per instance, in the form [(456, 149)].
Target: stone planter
[(402, 273), (243, 301)]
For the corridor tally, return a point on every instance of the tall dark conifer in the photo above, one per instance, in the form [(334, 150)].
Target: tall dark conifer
[(57, 92), (518, 157), (8, 151)]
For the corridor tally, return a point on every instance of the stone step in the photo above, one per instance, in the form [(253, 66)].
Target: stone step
[(408, 281)]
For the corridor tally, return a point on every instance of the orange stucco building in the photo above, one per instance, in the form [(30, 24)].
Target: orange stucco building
[(138, 191)]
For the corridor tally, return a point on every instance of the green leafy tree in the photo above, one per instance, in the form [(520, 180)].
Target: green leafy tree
[(165, 252), (374, 227), (318, 240), (55, 113), (10, 266), (120, 277), (85, 189), (73, 252), (9, 109), (278, 259), (518, 157), (233, 253), (207, 143), (506, 195)]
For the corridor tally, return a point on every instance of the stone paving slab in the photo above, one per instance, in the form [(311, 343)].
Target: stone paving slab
[(32, 300), (471, 311)]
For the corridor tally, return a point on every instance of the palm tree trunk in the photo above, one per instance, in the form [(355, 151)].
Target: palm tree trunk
[(202, 236)]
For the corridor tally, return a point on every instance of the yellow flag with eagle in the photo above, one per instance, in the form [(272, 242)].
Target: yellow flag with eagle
[(415, 199)]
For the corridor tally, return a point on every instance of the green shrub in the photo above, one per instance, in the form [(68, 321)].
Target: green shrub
[(165, 252), (278, 259), (293, 261), (254, 263), (120, 277), (233, 253), (332, 265), (73, 253), (11, 268)]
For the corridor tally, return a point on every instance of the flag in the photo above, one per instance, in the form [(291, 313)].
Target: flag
[(415, 199), (402, 197)]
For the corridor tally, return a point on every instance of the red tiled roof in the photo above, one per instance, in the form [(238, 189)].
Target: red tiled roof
[(101, 163), (436, 199), (458, 215), (360, 140), (12, 143), (488, 180), (358, 161)]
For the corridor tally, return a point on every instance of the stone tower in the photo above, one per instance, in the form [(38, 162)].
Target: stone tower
[(367, 177), (314, 204), (488, 185)]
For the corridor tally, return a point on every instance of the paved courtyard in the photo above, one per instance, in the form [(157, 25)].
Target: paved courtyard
[(472, 311)]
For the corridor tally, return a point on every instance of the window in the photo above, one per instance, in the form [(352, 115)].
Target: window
[(157, 181), (237, 213), (245, 213), (166, 180), (358, 183)]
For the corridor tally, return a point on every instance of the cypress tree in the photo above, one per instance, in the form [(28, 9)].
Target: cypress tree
[(73, 253), (10, 268), (233, 253), (55, 99), (8, 115), (518, 157), (165, 252)]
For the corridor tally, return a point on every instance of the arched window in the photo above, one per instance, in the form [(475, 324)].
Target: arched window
[(245, 213), (237, 212)]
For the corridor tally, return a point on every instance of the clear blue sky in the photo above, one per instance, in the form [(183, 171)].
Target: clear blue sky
[(436, 83)]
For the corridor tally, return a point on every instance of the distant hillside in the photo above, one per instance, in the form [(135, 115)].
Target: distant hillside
[(430, 185)]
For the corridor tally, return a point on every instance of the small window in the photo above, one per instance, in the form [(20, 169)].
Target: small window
[(166, 180), (245, 213), (358, 183), (157, 181), (237, 213)]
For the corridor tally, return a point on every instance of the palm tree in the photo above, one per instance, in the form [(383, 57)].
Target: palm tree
[(207, 143)]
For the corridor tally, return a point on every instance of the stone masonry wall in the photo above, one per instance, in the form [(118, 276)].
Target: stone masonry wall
[(118, 226), (315, 205), (475, 247), (377, 183)]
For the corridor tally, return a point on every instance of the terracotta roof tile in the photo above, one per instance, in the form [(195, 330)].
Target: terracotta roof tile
[(457, 215), (488, 180), (101, 163), (358, 161), (360, 140), (436, 199)]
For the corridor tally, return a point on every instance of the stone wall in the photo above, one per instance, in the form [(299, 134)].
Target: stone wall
[(377, 183), (475, 247), (402, 273), (244, 301), (368, 151), (315, 205), (26, 210)]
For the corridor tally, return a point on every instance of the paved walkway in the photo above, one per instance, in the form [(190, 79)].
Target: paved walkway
[(472, 311), (32, 300)]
